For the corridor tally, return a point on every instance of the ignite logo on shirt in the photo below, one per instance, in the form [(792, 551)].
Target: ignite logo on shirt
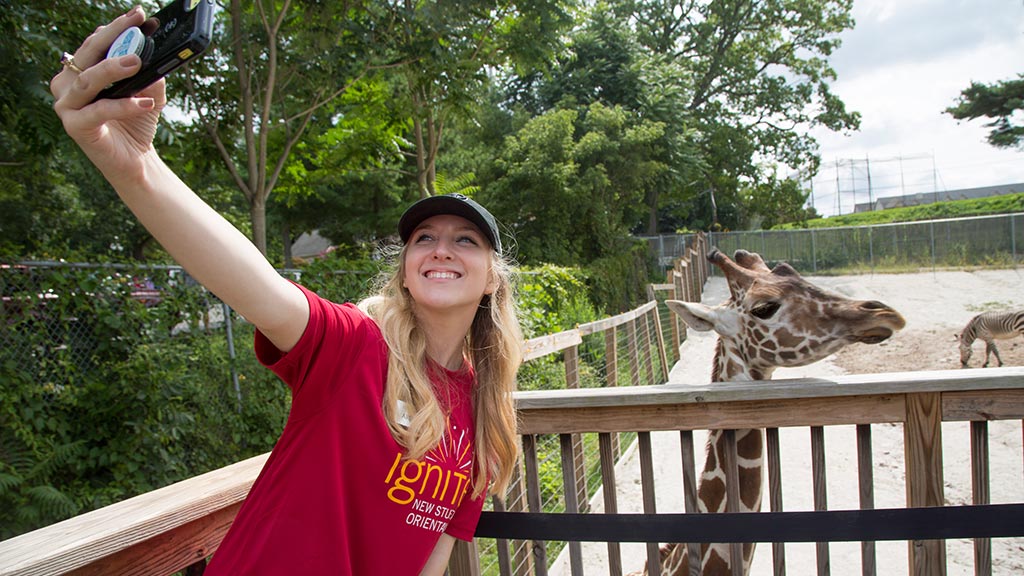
[(433, 488)]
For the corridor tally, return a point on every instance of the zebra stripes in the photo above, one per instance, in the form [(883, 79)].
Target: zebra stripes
[(990, 326)]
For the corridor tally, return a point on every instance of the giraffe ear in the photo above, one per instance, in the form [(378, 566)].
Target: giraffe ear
[(697, 316)]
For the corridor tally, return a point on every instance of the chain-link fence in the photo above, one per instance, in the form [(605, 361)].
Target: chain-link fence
[(978, 241), (59, 319), (62, 321)]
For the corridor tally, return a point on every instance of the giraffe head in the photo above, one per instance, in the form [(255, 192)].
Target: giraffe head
[(776, 318)]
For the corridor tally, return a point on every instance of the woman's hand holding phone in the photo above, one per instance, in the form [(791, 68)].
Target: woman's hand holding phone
[(114, 133)]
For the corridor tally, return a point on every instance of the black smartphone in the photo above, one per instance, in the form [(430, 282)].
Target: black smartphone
[(173, 36)]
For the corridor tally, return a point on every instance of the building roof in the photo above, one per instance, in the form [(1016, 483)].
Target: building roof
[(922, 198)]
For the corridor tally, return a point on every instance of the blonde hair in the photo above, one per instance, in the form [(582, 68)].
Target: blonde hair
[(494, 349)]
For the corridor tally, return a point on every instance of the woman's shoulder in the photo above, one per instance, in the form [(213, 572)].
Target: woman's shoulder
[(332, 314)]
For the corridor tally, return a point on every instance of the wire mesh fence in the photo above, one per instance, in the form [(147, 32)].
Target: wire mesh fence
[(63, 321), (978, 241), (629, 353)]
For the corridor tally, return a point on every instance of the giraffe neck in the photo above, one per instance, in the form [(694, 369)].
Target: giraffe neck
[(730, 365)]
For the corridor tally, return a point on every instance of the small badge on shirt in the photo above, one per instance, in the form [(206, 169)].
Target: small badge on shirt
[(403, 415)]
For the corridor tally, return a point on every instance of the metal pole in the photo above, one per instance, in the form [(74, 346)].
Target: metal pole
[(871, 201), (231, 352), (814, 252), (931, 228), (1013, 239), (839, 202), (871, 247)]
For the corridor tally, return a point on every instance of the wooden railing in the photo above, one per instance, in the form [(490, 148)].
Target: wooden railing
[(179, 526), (919, 401), (160, 532), (170, 529), (176, 528)]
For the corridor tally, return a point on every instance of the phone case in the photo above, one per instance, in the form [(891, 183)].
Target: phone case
[(182, 31)]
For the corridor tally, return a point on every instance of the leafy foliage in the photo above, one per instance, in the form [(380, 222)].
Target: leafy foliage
[(573, 183), (553, 299), (1000, 102), (106, 396)]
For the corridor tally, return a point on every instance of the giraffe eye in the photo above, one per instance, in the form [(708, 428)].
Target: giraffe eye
[(765, 310)]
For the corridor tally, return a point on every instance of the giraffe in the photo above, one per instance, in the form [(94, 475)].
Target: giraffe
[(773, 318)]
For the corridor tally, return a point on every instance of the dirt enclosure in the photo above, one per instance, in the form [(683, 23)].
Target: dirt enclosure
[(936, 305)]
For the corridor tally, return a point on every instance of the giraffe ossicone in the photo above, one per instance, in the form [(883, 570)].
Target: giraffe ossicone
[(773, 318)]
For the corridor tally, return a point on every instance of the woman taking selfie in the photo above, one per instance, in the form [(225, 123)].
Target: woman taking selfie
[(401, 419)]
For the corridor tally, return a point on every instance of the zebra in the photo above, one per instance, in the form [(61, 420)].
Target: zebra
[(990, 326)]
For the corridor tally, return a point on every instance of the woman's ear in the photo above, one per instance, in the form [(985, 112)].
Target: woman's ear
[(492, 282)]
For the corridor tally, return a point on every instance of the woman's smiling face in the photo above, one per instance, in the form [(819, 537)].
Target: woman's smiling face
[(448, 264)]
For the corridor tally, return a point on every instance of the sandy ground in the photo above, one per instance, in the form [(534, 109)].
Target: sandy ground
[(936, 306)]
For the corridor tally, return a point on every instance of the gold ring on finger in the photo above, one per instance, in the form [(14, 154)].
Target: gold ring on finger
[(68, 60)]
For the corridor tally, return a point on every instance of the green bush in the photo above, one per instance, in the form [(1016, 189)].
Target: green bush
[(553, 299), (106, 396), (619, 283)]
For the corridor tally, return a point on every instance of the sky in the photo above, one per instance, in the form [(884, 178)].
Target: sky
[(901, 66)]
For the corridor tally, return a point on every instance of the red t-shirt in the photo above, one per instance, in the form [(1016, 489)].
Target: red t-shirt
[(335, 496)]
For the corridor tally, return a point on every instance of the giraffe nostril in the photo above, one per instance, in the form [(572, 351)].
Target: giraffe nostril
[(874, 305)]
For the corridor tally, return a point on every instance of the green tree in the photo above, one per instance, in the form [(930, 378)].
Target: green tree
[(605, 63), (272, 78), (998, 101), (756, 68), (56, 204), (42, 174), (572, 182), (448, 48), (347, 182), (774, 201)]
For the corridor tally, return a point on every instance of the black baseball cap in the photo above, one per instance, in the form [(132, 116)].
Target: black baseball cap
[(455, 204)]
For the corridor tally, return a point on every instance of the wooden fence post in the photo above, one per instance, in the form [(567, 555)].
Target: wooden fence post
[(518, 559), (631, 347), (572, 504), (661, 343), (611, 369), (922, 437), (531, 466), (673, 295), (464, 560), (695, 284), (572, 381), (647, 342)]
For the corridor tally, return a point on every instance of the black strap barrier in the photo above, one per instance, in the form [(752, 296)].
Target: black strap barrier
[(936, 523)]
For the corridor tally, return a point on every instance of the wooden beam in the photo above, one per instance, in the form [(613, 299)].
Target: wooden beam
[(139, 529), (954, 384), (922, 439), (704, 416)]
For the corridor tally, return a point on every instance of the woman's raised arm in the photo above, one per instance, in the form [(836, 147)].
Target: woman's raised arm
[(117, 136)]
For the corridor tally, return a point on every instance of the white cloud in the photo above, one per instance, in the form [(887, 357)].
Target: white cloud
[(902, 65)]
